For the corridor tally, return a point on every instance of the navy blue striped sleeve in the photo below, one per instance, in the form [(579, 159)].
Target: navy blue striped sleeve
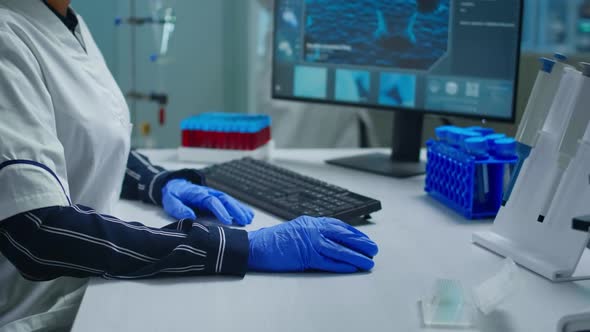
[(144, 181), (75, 241)]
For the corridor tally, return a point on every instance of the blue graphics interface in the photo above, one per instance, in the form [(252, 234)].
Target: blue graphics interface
[(437, 56)]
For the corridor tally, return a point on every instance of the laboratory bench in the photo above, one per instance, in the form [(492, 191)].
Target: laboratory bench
[(419, 239)]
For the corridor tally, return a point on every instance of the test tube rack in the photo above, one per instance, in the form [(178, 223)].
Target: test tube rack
[(218, 137), (451, 179)]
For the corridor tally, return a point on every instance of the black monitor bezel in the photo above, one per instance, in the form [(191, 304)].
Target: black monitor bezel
[(385, 108)]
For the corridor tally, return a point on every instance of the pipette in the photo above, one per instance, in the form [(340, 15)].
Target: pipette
[(558, 116), (540, 101), (579, 119), (575, 127)]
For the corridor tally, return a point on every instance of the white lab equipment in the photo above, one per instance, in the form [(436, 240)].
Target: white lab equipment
[(162, 20), (451, 305), (60, 107), (559, 117), (540, 101), (448, 306), (164, 16), (574, 323), (552, 129), (568, 146), (549, 247), (538, 106)]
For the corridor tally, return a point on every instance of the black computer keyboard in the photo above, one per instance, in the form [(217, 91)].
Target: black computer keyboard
[(287, 194)]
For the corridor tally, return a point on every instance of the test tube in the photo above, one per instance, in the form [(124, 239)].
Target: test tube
[(574, 123), (505, 149), (478, 148)]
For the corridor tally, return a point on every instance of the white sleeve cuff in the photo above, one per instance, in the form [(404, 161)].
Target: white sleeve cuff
[(27, 186)]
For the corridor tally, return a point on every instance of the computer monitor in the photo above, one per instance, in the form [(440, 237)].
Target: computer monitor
[(415, 57)]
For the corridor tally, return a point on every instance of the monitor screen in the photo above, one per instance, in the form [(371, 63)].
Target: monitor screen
[(435, 56)]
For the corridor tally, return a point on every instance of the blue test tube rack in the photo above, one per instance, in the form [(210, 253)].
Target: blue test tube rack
[(452, 170)]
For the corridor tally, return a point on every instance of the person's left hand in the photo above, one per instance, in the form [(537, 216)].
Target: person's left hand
[(178, 196), (307, 243)]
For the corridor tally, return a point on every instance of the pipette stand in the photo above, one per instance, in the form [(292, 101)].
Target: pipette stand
[(550, 248)]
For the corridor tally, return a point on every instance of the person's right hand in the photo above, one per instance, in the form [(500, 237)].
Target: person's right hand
[(308, 243)]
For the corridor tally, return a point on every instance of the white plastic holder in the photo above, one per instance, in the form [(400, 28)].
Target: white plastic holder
[(451, 305), (574, 323), (214, 156), (551, 248)]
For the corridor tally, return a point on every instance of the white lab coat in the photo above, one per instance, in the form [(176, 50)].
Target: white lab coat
[(60, 108)]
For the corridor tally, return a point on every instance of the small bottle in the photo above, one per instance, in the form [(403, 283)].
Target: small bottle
[(478, 148)]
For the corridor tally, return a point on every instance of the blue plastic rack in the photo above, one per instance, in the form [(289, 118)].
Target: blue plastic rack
[(468, 169)]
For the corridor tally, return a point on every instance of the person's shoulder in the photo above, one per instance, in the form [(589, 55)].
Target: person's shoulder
[(13, 33), (9, 19)]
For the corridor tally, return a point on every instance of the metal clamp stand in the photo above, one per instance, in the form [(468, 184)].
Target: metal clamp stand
[(551, 247), (160, 98)]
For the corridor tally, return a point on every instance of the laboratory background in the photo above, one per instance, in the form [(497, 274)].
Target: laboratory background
[(480, 211), (218, 58)]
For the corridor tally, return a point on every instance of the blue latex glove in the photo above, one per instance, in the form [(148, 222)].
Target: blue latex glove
[(310, 243), (178, 196)]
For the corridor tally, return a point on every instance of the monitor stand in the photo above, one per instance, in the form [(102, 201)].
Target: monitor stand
[(404, 160)]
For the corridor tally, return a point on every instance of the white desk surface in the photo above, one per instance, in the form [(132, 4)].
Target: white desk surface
[(419, 239)]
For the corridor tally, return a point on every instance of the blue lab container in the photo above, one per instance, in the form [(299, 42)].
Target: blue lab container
[(465, 134), (492, 139), (227, 122), (443, 132), (460, 170), (481, 130), (454, 137)]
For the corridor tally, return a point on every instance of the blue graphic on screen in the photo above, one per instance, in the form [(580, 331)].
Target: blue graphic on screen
[(410, 34), (398, 90), (288, 32), (311, 82), (352, 85)]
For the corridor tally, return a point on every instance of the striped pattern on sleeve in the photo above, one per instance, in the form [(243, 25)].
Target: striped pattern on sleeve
[(75, 241), (144, 181)]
